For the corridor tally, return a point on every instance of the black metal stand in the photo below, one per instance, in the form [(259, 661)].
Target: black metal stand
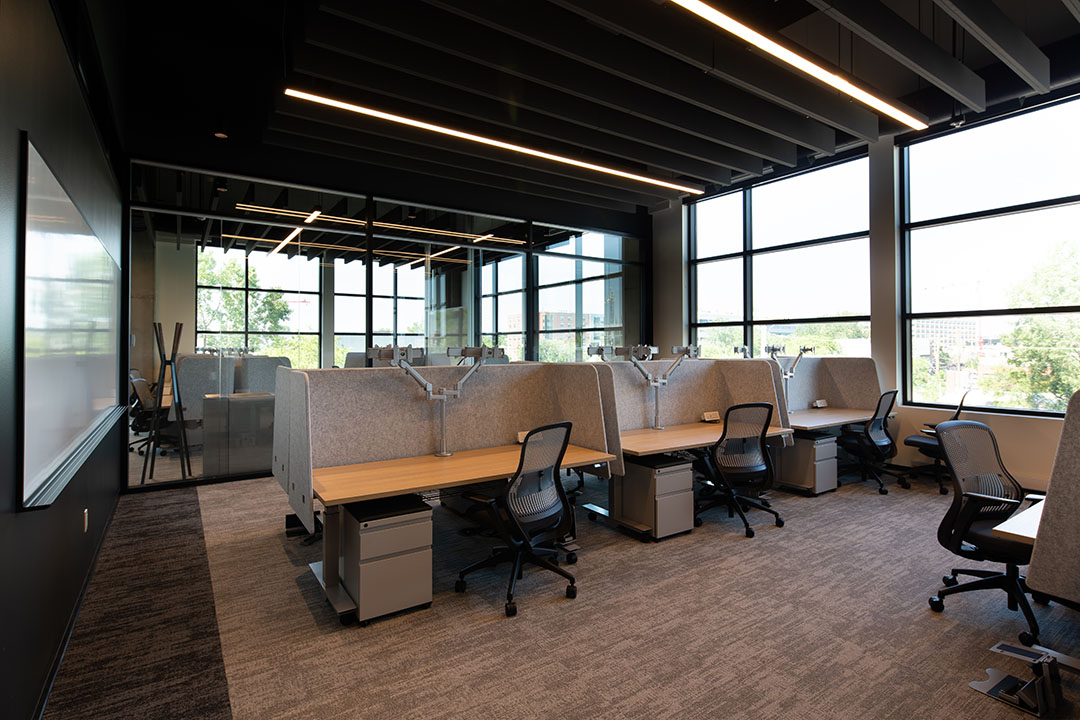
[(177, 404)]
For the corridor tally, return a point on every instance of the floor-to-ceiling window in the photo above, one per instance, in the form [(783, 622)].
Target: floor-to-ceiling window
[(588, 292), (502, 303), (992, 301), (259, 303), (784, 263)]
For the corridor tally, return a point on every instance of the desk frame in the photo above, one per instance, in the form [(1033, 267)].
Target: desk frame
[(337, 486)]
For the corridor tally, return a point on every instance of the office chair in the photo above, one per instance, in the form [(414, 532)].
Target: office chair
[(530, 512), (984, 495), (738, 466), (929, 446), (142, 413), (871, 444)]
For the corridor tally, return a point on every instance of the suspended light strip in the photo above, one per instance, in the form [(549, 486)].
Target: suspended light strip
[(780, 52), (371, 112), (385, 225), (443, 252), (325, 246), (314, 214), (284, 242)]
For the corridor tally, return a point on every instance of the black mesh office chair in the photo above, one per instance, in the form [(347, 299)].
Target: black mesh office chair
[(737, 469), (928, 445), (142, 413), (531, 512), (984, 495), (871, 444)]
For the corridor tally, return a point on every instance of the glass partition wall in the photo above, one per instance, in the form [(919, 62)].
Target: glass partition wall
[(261, 275)]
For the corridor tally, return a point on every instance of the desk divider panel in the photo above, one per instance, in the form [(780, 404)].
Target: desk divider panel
[(1057, 544), (844, 382), (695, 387), (258, 373), (282, 378), (610, 413), (300, 446), (201, 375), (781, 400)]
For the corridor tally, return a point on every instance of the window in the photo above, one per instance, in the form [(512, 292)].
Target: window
[(784, 263), (350, 308), (258, 303), (992, 306), (502, 303), (587, 294)]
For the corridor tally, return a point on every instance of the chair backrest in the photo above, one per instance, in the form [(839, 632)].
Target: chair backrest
[(741, 449), (876, 430), (142, 391), (960, 407), (534, 496), (972, 456)]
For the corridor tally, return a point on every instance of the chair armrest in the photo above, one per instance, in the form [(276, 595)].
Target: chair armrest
[(1034, 497), (932, 426), (991, 499)]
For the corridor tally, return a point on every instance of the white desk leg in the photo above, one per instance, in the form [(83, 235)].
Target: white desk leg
[(327, 571)]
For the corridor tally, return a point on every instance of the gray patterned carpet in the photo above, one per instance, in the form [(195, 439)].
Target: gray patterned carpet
[(824, 618)]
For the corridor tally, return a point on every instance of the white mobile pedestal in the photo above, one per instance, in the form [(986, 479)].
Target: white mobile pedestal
[(387, 558), (810, 464), (657, 495)]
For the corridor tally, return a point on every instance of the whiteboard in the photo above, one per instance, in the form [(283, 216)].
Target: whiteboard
[(71, 317)]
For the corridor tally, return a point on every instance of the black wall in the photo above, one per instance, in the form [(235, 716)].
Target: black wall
[(45, 557)]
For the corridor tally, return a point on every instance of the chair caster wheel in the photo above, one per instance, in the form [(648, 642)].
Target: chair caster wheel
[(949, 580), (131, 449), (1027, 639), (459, 586), (904, 484), (766, 503), (698, 522), (592, 516), (1040, 599), (883, 491), (571, 557), (571, 591), (937, 604), (364, 623), (779, 522), (943, 490), (749, 532), (141, 452), (511, 609)]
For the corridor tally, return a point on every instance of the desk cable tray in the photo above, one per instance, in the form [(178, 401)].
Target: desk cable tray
[(1040, 696)]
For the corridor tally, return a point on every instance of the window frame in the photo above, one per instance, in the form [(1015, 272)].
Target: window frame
[(907, 317), (748, 253)]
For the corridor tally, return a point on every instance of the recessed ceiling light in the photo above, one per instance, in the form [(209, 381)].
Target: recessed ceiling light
[(371, 112), (780, 52), (221, 136)]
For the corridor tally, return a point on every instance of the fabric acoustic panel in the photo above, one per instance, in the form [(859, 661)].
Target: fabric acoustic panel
[(840, 381), (372, 414), (201, 375), (610, 413), (745, 380), (782, 418), (282, 403), (1057, 544), (696, 386), (297, 391), (257, 373)]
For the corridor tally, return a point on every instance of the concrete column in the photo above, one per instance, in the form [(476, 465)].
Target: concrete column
[(885, 306), (670, 278)]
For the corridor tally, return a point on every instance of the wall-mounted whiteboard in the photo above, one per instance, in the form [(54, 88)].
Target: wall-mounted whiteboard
[(71, 318)]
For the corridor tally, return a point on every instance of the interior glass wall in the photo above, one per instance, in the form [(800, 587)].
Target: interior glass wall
[(588, 292), (992, 303), (784, 263)]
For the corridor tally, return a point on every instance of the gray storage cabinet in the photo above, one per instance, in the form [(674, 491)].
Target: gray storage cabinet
[(810, 464), (387, 555), (658, 495)]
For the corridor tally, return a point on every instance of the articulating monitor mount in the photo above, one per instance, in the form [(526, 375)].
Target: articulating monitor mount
[(401, 357), (788, 373), (638, 353)]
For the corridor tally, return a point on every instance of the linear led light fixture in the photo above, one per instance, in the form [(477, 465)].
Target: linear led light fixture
[(371, 112), (484, 237), (314, 214), (283, 243), (736, 28), (389, 226)]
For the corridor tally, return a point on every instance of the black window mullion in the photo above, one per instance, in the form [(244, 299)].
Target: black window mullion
[(748, 270)]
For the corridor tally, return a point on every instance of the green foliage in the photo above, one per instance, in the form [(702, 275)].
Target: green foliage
[(1044, 360), (929, 384)]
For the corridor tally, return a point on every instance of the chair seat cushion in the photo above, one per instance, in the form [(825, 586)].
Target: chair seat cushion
[(997, 549), (925, 444)]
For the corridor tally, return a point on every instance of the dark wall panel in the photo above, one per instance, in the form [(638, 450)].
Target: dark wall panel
[(45, 557)]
